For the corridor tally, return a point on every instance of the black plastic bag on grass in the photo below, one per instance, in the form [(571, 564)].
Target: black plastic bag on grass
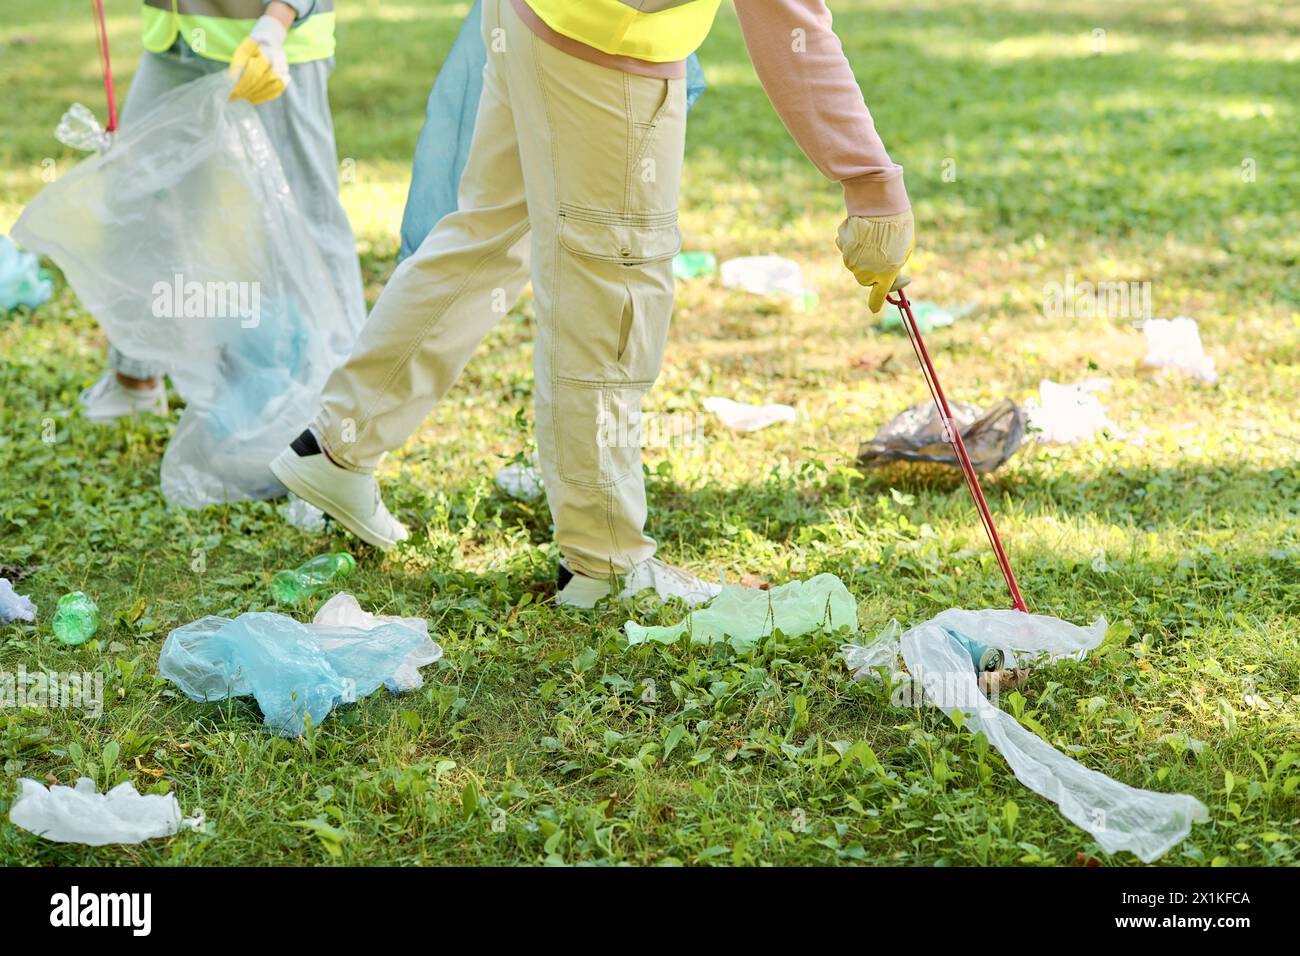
[(917, 434)]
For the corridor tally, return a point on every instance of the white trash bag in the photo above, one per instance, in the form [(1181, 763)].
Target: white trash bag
[(1119, 817), (185, 243)]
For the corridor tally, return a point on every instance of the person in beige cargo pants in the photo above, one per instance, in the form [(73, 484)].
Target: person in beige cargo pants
[(581, 155)]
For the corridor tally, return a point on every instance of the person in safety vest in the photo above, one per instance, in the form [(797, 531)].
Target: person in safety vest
[(578, 149), (283, 52)]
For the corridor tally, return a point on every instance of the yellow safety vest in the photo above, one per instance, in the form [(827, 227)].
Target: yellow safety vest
[(660, 31), (213, 28)]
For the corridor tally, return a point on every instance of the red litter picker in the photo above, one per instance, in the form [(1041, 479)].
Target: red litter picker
[(105, 65), (953, 436)]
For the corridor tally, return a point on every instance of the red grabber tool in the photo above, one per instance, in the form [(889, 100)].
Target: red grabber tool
[(105, 65), (953, 436)]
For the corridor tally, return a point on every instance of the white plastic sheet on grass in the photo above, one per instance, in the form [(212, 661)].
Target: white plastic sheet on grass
[(186, 244), (1119, 817), (1067, 414), (742, 417), (1176, 344), (81, 814)]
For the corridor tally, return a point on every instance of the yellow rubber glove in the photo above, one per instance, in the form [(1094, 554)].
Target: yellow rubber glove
[(258, 81), (875, 249)]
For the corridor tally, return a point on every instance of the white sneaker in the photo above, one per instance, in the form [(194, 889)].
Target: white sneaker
[(108, 399), (578, 590), (351, 499)]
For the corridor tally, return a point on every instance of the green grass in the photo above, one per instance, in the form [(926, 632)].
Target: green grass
[(532, 741)]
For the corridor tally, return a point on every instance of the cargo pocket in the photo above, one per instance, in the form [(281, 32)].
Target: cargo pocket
[(613, 302)]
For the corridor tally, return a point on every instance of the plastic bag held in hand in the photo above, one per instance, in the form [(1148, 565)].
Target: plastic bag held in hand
[(875, 249), (260, 63), (189, 248)]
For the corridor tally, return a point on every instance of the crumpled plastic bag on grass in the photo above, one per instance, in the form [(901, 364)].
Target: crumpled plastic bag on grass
[(303, 515), (743, 417), (298, 671), (80, 814), (522, 481), (186, 244), (744, 616), (22, 280), (1067, 414), (917, 434), (1119, 817), (1176, 343), (14, 606)]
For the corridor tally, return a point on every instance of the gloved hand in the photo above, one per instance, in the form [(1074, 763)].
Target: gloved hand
[(875, 249), (260, 63)]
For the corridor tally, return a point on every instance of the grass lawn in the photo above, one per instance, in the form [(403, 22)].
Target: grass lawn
[(1169, 156)]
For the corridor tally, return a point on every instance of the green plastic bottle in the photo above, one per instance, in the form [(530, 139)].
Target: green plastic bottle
[(289, 587), (693, 265), (77, 618)]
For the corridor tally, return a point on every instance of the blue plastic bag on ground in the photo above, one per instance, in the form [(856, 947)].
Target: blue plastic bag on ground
[(22, 281), (443, 146), (298, 672)]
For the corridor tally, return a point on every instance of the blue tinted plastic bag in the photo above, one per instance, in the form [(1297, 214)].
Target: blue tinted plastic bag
[(22, 281), (443, 146), (298, 672)]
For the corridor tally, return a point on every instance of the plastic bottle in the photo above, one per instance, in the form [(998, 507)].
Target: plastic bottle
[(77, 618), (289, 587), (984, 658), (928, 317), (692, 265)]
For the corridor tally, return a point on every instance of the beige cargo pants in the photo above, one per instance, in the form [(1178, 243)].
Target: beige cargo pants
[(588, 160)]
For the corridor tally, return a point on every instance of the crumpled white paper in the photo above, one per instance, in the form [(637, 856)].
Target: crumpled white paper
[(1119, 817), (81, 814)]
